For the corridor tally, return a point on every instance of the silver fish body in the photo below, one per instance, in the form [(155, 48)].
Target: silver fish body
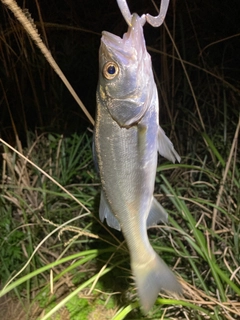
[(127, 139)]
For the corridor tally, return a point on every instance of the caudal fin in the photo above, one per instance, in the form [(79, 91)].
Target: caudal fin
[(151, 278)]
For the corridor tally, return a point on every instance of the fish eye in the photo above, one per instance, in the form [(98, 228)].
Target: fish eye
[(110, 70)]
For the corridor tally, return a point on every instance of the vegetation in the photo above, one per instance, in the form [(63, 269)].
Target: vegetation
[(57, 260)]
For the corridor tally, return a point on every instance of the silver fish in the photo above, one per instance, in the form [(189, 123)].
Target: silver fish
[(127, 140)]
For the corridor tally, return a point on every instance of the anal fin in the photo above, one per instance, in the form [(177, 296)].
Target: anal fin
[(156, 214)]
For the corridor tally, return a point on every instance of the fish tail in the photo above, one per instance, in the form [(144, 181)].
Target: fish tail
[(152, 277)]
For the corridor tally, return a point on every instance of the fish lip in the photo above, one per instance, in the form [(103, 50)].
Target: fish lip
[(113, 46), (111, 40)]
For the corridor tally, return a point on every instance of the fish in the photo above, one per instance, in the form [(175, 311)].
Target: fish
[(127, 140)]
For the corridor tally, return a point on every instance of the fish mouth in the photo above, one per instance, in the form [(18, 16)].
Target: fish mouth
[(111, 40), (132, 42)]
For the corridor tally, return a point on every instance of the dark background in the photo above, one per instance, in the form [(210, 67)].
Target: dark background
[(206, 33)]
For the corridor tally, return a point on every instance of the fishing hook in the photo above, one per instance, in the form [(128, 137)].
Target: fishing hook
[(153, 21)]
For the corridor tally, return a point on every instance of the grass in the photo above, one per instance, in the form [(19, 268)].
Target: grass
[(209, 275), (57, 261)]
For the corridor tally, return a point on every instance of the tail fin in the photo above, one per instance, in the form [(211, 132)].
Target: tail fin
[(151, 278)]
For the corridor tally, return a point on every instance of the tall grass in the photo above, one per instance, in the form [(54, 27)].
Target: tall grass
[(57, 259)]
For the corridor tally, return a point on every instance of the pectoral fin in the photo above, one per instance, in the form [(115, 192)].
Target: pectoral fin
[(165, 147), (105, 212), (157, 213)]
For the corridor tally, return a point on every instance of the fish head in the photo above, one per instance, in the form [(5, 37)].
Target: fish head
[(125, 74)]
